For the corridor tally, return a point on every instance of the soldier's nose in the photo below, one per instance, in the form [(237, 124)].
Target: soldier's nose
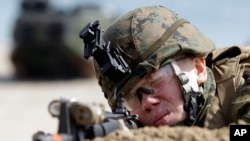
[(149, 102)]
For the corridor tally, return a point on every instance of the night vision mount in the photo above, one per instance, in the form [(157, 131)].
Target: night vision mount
[(111, 64), (110, 61)]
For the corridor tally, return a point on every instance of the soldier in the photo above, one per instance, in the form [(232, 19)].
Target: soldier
[(178, 75)]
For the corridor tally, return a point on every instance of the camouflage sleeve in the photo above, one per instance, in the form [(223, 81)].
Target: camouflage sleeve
[(240, 109)]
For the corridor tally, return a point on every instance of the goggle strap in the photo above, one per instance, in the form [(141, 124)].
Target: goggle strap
[(176, 68), (166, 35)]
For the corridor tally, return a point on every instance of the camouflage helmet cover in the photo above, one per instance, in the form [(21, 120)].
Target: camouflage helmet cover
[(135, 32)]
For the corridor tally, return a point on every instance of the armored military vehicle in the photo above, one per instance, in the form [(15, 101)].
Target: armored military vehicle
[(46, 42)]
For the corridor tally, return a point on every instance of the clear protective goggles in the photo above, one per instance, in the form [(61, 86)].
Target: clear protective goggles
[(149, 84)]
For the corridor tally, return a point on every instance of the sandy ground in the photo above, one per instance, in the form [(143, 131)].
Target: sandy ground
[(23, 104)]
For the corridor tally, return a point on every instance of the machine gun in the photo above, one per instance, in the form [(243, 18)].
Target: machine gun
[(79, 121)]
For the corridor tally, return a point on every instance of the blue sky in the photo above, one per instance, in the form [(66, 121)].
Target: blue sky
[(226, 22)]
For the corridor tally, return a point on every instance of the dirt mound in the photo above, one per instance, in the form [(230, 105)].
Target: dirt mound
[(166, 133)]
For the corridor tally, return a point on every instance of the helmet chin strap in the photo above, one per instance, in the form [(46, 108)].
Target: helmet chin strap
[(193, 101)]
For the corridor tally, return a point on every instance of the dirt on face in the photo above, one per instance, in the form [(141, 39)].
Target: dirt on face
[(166, 133)]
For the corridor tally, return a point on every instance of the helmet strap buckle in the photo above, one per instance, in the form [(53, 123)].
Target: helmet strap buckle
[(192, 99)]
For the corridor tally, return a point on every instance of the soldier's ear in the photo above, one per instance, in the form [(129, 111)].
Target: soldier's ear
[(201, 72)]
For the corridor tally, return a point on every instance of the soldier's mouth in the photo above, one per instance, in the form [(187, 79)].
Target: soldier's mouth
[(162, 120)]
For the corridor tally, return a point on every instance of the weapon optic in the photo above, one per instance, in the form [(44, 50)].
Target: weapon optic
[(79, 121)]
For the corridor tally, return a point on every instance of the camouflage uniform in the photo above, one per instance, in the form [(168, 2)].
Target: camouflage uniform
[(231, 100), (151, 37)]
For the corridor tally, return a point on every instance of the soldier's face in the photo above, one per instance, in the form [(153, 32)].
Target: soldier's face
[(159, 97)]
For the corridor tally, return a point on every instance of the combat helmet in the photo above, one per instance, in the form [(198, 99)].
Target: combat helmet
[(148, 38)]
